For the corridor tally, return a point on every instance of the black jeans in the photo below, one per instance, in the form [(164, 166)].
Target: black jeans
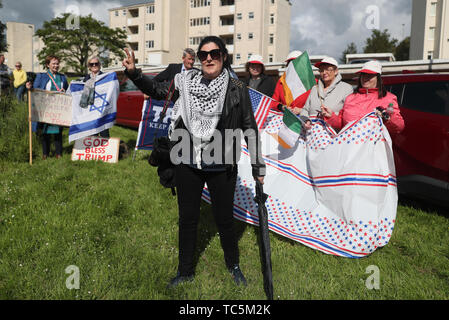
[(221, 186), (46, 140)]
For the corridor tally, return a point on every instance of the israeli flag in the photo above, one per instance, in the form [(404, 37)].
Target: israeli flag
[(99, 116)]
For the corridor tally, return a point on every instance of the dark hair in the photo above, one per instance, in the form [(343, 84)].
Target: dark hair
[(49, 58), (220, 44), (380, 86), (247, 68)]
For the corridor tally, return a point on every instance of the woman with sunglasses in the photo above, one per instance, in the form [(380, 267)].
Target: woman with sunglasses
[(207, 102), (51, 80), (88, 96)]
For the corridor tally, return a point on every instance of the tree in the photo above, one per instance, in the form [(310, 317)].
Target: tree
[(3, 45), (402, 52), (380, 42), (75, 44), (350, 49)]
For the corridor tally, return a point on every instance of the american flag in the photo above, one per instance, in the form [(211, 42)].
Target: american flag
[(261, 106)]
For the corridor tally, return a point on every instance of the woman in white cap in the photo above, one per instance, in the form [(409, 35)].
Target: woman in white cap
[(279, 90), (257, 79), (330, 91), (369, 95)]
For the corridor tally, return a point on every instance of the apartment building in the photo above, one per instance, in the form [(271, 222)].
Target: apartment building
[(430, 30), (23, 46), (159, 30)]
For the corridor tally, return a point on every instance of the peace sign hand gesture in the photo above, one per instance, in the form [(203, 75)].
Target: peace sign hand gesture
[(130, 61)]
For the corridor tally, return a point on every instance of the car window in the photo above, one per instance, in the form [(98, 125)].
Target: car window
[(396, 89), (427, 96), (128, 85)]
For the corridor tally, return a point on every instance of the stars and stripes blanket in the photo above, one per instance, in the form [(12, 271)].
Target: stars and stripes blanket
[(99, 116), (335, 193)]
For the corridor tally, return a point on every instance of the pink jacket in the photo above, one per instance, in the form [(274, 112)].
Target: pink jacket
[(359, 104)]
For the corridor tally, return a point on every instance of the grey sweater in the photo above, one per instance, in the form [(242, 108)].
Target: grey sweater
[(333, 98)]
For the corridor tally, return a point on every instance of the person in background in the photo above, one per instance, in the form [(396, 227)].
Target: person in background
[(51, 80), (330, 91), (257, 79), (88, 96), (208, 100), (20, 79), (188, 59), (5, 76), (278, 94), (370, 95)]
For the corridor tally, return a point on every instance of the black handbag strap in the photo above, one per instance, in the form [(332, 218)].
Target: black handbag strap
[(164, 110)]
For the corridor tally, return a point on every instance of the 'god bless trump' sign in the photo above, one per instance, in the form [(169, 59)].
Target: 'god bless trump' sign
[(97, 149)]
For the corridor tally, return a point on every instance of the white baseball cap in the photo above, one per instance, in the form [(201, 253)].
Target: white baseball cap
[(293, 55), (327, 60), (255, 59), (371, 67)]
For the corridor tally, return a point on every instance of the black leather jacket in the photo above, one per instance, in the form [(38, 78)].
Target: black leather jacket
[(237, 114)]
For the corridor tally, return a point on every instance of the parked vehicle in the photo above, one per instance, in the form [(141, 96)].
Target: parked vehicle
[(129, 103), (422, 149)]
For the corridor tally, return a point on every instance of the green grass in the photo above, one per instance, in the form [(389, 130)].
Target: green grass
[(119, 226)]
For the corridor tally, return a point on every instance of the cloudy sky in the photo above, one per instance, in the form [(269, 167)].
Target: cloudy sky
[(320, 27)]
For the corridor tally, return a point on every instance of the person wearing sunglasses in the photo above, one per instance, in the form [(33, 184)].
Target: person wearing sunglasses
[(207, 102), (88, 95), (20, 79)]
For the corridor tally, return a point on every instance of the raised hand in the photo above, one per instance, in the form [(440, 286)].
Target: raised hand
[(130, 61)]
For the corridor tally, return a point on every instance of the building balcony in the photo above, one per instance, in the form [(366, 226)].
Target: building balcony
[(226, 30), (133, 21), (133, 38)]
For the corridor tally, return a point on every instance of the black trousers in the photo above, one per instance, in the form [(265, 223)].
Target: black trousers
[(46, 140), (189, 185)]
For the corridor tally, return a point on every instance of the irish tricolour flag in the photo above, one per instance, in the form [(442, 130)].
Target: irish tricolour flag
[(290, 130), (298, 80)]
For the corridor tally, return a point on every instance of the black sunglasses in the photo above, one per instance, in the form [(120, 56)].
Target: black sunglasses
[(94, 64), (214, 54)]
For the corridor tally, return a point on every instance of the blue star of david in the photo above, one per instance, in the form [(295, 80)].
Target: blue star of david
[(103, 106)]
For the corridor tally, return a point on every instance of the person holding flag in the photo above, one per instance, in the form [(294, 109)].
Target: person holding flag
[(370, 95), (257, 79), (51, 80)]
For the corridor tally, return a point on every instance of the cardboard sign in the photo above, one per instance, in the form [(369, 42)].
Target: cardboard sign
[(51, 107), (97, 149)]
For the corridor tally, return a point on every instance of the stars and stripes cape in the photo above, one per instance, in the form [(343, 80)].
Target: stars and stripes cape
[(335, 193), (99, 116)]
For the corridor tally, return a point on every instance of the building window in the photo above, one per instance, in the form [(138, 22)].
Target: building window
[(433, 9), (237, 56), (239, 16), (272, 1), (199, 3), (150, 9), (239, 36), (432, 33), (272, 18), (251, 15), (270, 58), (249, 55), (195, 40), (430, 55), (149, 44), (124, 12), (116, 13), (250, 36), (199, 21), (271, 39), (149, 26)]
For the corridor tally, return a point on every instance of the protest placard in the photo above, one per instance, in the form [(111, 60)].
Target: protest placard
[(96, 148), (51, 107)]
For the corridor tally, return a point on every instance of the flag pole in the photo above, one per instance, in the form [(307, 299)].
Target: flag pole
[(29, 127)]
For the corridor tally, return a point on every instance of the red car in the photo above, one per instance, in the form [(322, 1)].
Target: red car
[(421, 150), (129, 104)]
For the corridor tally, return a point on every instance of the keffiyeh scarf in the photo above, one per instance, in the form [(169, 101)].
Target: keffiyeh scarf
[(200, 107)]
